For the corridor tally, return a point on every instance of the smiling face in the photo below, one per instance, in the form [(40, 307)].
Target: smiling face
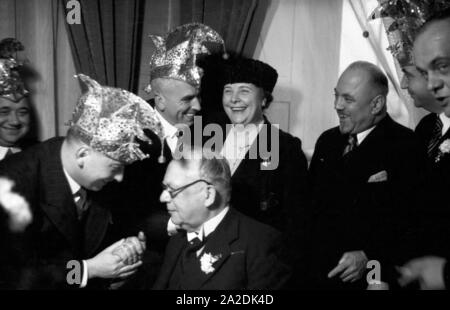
[(177, 101), (416, 85), (432, 58), (14, 121), (354, 101), (97, 169), (243, 103)]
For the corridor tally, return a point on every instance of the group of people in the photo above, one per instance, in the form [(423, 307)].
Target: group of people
[(137, 204)]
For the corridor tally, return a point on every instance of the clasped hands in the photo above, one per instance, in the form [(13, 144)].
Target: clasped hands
[(120, 260), (428, 271)]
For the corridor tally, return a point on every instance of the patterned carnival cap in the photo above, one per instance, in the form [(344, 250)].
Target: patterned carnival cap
[(11, 84), (177, 53), (109, 119), (404, 18)]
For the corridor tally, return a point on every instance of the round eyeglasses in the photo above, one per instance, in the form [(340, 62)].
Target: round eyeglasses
[(173, 192)]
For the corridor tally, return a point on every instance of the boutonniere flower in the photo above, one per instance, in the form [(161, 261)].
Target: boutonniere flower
[(444, 148), (16, 206), (207, 261)]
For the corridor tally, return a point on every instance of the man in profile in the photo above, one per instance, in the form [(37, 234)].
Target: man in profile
[(218, 248), (62, 180), (363, 177)]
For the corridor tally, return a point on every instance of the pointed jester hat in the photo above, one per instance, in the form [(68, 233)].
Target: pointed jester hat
[(11, 84), (177, 53), (404, 18), (110, 119)]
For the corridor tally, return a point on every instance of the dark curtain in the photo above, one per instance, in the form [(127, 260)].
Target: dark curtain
[(238, 21), (107, 44)]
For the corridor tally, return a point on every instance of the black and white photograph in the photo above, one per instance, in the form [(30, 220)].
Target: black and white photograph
[(223, 146)]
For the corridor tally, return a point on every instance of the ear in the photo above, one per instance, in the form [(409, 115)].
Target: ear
[(263, 103), (210, 196), (378, 104), (160, 102), (81, 154)]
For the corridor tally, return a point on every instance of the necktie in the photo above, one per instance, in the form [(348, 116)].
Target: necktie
[(435, 138), (351, 144), (82, 202), (9, 153)]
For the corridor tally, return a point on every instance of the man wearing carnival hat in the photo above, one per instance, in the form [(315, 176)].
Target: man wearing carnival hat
[(432, 54), (62, 179), (174, 85), (15, 109)]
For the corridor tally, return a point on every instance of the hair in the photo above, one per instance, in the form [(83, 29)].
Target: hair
[(269, 98), (212, 167), (438, 16), (378, 78), (74, 135)]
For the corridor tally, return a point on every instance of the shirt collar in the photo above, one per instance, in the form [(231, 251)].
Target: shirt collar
[(169, 129), (208, 227), (74, 186), (445, 123), (362, 135), (4, 150)]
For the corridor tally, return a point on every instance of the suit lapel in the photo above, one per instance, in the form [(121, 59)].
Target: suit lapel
[(371, 150), (97, 222), (248, 163), (218, 244), (173, 252), (57, 201)]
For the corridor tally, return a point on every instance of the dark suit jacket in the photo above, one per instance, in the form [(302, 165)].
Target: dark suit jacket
[(435, 236), (349, 213), (137, 205), (275, 197), (249, 257), (55, 236)]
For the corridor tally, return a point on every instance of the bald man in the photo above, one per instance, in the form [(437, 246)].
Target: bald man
[(361, 176)]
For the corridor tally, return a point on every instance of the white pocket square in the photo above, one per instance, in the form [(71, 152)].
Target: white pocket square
[(378, 177)]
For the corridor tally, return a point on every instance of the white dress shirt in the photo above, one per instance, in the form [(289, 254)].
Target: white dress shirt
[(4, 150), (362, 135), (74, 188), (238, 142), (445, 123), (207, 228), (170, 131)]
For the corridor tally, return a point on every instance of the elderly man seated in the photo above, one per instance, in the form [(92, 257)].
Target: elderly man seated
[(219, 248)]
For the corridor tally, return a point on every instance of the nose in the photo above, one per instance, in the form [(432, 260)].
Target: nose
[(119, 175), (434, 82), (404, 82), (338, 104), (165, 197), (13, 119), (234, 97), (195, 104)]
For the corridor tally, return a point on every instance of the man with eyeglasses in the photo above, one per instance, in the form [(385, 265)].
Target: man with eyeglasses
[(218, 248), (174, 87)]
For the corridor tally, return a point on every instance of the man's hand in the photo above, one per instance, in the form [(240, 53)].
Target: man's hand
[(132, 250), (428, 270), (351, 267), (108, 265)]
